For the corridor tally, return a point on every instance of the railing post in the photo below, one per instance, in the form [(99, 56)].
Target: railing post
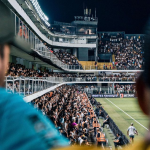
[(28, 86), (38, 84), (19, 84), (24, 86), (42, 85), (32, 85), (35, 86), (13, 84)]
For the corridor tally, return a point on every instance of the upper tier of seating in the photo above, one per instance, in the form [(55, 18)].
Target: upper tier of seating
[(128, 49)]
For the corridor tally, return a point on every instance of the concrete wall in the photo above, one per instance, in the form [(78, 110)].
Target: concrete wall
[(75, 52), (83, 54)]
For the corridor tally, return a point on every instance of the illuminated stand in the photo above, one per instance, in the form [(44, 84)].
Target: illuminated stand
[(40, 12)]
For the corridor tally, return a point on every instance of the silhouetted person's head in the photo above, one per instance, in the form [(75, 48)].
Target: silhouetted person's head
[(8, 37), (143, 82)]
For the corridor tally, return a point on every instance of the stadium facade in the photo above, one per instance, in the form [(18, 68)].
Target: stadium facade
[(98, 59), (80, 38)]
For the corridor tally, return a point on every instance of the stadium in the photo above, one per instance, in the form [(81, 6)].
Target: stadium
[(78, 77)]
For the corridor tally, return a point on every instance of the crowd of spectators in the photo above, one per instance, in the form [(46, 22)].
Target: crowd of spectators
[(18, 70), (117, 77), (25, 86), (117, 89), (127, 50), (125, 88), (71, 112), (66, 57)]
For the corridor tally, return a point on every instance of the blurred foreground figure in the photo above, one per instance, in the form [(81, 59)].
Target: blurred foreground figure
[(21, 126)]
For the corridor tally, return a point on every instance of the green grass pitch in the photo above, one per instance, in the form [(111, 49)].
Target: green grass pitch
[(130, 106)]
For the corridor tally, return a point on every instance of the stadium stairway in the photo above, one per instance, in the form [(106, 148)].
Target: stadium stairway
[(113, 58), (87, 64), (101, 64), (109, 135)]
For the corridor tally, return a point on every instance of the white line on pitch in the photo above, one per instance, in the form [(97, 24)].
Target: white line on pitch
[(127, 114)]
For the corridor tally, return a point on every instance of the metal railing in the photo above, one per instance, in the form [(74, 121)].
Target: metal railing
[(38, 46), (26, 86), (115, 129), (29, 85), (93, 79)]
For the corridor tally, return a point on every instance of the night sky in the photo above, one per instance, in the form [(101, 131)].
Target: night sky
[(114, 15)]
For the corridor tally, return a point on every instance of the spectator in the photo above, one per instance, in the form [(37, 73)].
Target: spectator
[(67, 58), (101, 141), (106, 121), (104, 66), (118, 141)]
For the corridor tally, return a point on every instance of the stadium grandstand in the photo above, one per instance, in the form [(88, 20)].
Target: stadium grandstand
[(81, 79)]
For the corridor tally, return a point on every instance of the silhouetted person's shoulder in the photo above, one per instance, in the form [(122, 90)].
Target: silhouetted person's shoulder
[(23, 127)]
